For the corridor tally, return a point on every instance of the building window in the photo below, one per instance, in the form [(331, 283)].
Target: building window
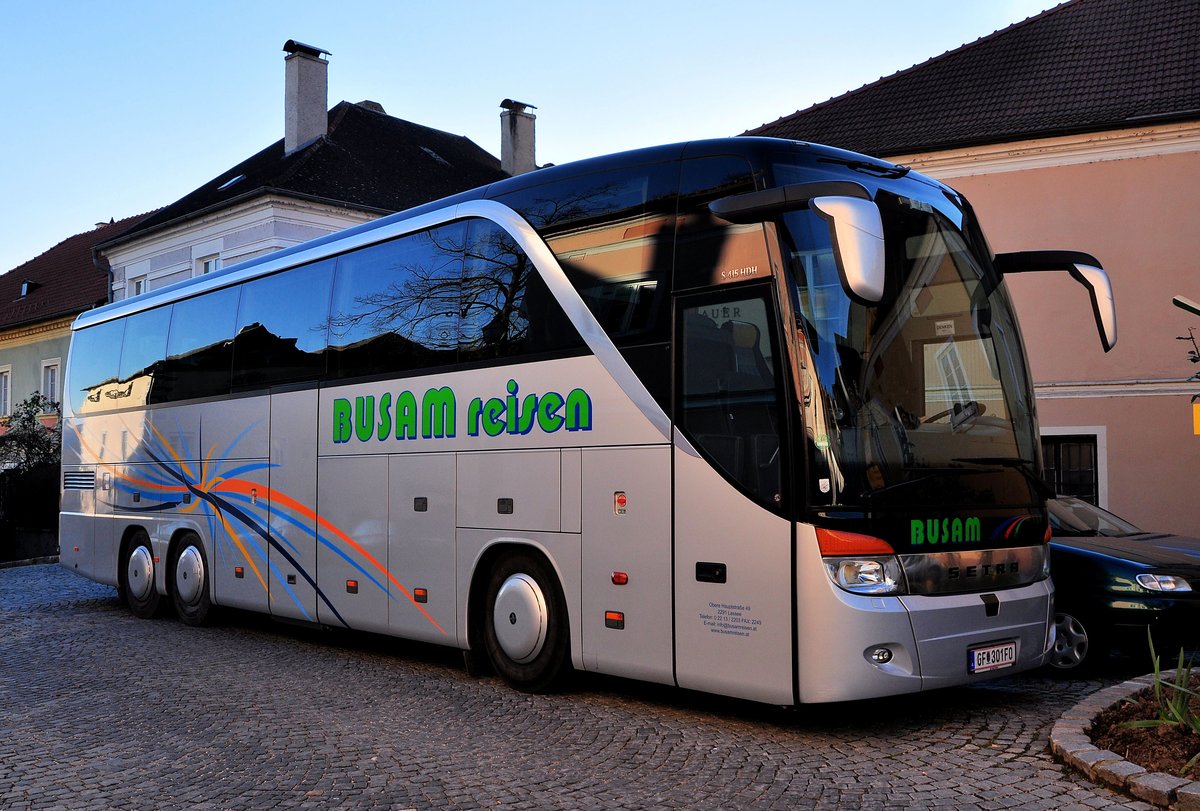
[(5, 391), (50, 379), (209, 264), (1072, 465), (139, 286)]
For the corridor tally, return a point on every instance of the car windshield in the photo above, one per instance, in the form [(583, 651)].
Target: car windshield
[(924, 398), (1073, 517)]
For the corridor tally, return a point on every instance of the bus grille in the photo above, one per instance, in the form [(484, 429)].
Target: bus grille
[(79, 480)]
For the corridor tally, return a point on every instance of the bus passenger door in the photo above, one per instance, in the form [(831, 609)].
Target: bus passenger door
[(733, 550), (293, 550)]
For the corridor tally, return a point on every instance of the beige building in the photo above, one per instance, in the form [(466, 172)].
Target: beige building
[(1076, 129)]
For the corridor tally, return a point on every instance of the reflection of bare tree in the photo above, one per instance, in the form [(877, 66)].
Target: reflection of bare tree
[(458, 286), (411, 288)]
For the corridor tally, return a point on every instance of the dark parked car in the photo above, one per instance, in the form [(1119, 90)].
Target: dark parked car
[(1112, 581)]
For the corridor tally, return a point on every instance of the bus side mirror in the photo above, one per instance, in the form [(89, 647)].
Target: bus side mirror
[(857, 232), (1084, 268)]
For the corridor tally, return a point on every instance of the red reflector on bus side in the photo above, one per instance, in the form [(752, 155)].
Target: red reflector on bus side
[(614, 619), (421, 595), (352, 587), (837, 543), (239, 572), (620, 578)]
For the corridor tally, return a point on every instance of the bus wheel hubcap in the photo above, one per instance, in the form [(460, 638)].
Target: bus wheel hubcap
[(189, 575), (520, 619), (139, 576)]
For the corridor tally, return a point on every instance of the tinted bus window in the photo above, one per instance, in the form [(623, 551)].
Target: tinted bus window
[(200, 347), (507, 309), (396, 304), (710, 250), (730, 403), (142, 355), (94, 364), (282, 322), (613, 234)]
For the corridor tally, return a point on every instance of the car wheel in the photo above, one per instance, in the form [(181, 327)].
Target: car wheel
[(189, 582), (1075, 647), (525, 631), (137, 577)]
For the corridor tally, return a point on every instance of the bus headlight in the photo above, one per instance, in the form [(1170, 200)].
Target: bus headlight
[(1163, 582), (866, 575)]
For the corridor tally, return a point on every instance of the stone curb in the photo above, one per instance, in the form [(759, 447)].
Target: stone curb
[(12, 564), (1071, 744)]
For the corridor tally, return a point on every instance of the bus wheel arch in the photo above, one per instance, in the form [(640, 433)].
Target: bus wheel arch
[(518, 617), (189, 578), (136, 574)]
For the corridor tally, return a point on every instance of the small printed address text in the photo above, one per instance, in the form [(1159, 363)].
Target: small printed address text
[(730, 620)]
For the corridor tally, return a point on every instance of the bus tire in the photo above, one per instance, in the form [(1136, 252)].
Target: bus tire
[(189, 581), (137, 576), (525, 630)]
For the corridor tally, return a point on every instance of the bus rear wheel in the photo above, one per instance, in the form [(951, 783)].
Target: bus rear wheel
[(189, 581), (137, 579), (525, 631)]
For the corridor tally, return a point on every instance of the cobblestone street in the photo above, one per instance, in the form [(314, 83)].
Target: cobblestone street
[(102, 710)]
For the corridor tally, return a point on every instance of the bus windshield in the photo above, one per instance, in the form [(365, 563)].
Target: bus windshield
[(921, 400)]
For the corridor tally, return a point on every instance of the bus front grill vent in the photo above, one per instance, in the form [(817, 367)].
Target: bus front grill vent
[(79, 480)]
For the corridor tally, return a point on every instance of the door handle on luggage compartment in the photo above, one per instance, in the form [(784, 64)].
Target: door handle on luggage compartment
[(710, 572)]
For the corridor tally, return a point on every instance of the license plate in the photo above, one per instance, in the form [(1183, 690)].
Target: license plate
[(992, 657)]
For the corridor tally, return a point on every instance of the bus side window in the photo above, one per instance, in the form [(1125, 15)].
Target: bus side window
[(396, 304), (142, 357), (709, 250), (281, 343), (729, 390), (507, 309), (613, 235), (199, 347), (93, 368)]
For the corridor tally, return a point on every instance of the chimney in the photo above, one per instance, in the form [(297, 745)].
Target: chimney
[(516, 137), (305, 95)]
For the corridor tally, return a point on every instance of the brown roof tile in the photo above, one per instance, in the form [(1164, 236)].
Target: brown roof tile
[(1083, 66), (64, 280)]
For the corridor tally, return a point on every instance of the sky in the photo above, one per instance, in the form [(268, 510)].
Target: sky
[(118, 108)]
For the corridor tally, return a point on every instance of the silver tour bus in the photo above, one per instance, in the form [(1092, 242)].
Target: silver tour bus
[(746, 416)]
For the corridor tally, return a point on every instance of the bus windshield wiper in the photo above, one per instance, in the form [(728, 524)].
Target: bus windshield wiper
[(1022, 466), (930, 473)]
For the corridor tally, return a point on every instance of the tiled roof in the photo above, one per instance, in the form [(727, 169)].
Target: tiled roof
[(1083, 66), (368, 160), (64, 280)]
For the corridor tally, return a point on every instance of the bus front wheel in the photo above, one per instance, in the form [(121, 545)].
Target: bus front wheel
[(189, 583), (525, 631), (137, 577)]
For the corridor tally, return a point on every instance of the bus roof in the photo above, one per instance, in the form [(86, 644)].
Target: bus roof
[(752, 148)]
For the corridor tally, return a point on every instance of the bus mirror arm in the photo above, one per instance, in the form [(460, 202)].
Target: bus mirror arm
[(756, 206), (855, 226), (1084, 268)]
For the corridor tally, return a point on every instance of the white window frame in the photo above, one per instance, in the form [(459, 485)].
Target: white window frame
[(208, 264), (137, 286), (56, 364), (1100, 432), (6, 390)]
